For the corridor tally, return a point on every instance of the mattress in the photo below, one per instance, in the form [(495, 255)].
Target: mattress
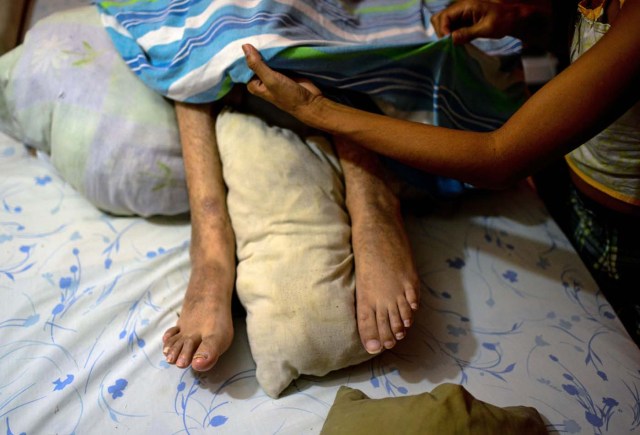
[(508, 311)]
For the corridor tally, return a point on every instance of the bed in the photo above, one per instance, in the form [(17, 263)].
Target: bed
[(507, 310)]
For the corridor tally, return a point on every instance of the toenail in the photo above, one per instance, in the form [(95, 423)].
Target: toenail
[(414, 306), (407, 323), (389, 344), (373, 346), (400, 335), (200, 356), (166, 350)]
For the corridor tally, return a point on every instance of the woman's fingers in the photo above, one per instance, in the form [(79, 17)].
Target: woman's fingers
[(291, 95), (267, 83)]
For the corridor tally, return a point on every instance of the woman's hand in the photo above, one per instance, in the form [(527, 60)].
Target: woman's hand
[(295, 96), (466, 20)]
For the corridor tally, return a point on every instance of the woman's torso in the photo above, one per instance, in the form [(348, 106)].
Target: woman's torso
[(607, 167)]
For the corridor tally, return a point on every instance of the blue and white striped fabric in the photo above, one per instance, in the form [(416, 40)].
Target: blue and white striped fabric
[(190, 50)]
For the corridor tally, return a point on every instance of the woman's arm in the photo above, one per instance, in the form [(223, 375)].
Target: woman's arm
[(574, 106)]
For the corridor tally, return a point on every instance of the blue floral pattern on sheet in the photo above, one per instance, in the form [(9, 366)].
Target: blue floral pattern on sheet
[(507, 310)]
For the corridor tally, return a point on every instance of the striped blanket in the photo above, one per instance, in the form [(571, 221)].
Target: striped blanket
[(190, 50)]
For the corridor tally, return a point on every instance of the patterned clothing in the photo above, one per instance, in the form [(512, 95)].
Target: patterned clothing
[(609, 244), (610, 161)]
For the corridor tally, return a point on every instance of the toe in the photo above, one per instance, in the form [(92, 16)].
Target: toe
[(168, 344), (412, 294), (173, 351), (396, 322), (205, 357), (368, 330), (184, 359), (170, 333), (384, 329), (406, 312)]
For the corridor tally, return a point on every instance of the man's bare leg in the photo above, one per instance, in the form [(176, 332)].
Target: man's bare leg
[(387, 285), (205, 329)]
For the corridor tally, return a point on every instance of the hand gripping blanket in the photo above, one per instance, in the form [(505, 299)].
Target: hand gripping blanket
[(190, 50)]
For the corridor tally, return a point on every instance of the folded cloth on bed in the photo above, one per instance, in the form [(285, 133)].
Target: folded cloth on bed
[(190, 50), (449, 409)]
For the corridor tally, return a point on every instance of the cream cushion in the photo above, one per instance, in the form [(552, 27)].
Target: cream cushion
[(295, 273)]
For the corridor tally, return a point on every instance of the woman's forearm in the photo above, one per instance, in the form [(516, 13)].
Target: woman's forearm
[(435, 150)]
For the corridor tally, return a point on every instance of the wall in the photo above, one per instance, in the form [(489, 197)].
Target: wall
[(42, 8), (11, 13)]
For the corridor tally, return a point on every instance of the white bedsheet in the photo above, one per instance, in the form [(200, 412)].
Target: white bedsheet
[(508, 310)]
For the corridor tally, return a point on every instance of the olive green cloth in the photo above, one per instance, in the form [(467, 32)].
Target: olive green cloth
[(448, 409)]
